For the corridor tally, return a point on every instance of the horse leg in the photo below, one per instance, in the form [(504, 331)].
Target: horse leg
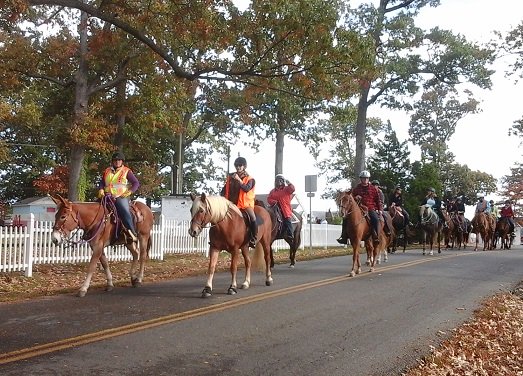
[(439, 242), (268, 273), (143, 244), (97, 253), (356, 267), (234, 269), (134, 264), (108, 275), (213, 259), (247, 261)]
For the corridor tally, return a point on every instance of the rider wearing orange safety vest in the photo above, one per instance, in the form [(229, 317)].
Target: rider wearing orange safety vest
[(246, 195), (119, 182)]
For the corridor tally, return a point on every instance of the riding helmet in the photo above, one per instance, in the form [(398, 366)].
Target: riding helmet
[(240, 161), (375, 182), (364, 174), (279, 176), (431, 189), (117, 156)]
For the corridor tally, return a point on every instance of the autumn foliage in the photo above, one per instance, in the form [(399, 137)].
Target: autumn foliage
[(56, 182)]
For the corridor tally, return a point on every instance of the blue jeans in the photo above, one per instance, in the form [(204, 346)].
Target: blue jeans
[(122, 206), (287, 225)]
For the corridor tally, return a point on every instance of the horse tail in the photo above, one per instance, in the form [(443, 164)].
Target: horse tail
[(149, 245), (258, 258)]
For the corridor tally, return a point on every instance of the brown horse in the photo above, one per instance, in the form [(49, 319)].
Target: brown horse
[(229, 231), (359, 229), (448, 231), (99, 231), (504, 233), (483, 225), (400, 226), (460, 232), (429, 224)]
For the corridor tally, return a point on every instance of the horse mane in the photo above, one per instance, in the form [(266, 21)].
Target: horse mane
[(218, 207)]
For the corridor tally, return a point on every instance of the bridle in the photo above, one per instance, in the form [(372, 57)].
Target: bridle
[(79, 226), (207, 212)]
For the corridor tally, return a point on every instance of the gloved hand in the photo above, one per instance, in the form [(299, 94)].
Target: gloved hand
[(101, 193)]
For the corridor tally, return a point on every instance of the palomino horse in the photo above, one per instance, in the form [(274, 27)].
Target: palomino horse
[(400, 226), (278, 232), (358, 229), (429, 224), (483, 224), (503, 232), (229, 231), (99, 231)]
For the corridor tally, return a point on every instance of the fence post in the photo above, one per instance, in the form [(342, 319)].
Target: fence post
[(29, 246), (161, 248)]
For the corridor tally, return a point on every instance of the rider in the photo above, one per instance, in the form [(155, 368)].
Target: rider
[(281, 194), (507, 212), (434, 202), (115, 184), (376, 183), (494, 210), (458, 207), (246, 196), (396, 198), (369, 196), (483, 205)]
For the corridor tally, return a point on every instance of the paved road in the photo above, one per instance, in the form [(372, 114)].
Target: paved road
[(314, 320)]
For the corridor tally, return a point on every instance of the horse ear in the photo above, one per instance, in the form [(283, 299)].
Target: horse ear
[(58, 200), (193, 196), (203, 196)]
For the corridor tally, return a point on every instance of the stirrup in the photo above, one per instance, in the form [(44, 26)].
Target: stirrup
[(342, 240), (252, 243)]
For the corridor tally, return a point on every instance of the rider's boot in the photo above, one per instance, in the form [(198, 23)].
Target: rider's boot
[(253, 232), (343, 238)]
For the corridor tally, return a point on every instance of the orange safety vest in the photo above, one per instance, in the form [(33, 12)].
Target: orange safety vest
[(116, 181), (246, 199)]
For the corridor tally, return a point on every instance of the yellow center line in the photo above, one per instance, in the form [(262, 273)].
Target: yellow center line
[(67, 343)]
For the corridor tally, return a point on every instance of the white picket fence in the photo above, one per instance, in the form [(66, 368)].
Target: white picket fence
[(25, 246)]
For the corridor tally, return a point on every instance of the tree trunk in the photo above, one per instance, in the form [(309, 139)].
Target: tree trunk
[(361, 128), (278, 162), (121, 110), (80, 111)]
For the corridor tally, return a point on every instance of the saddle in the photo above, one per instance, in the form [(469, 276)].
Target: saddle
[(112, 213)]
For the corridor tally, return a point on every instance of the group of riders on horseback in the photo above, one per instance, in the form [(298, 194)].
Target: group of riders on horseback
[(372, 197)]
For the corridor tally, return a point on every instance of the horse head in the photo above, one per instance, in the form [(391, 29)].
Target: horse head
[(427, 215), (200, 214), (66, 219)]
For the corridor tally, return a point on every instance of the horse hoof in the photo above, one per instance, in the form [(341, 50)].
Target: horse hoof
[(137, 284), (352, 274), (291, 266), (245, 286), (207, 292), (81, 293), (109, 288), (371, 270), (268, 283), (232, 291)]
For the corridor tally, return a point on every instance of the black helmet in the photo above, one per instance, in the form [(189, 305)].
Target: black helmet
[(375, 182), (118, 155), (507, 202), (240, 161)]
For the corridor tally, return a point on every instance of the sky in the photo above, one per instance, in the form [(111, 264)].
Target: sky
[(481, 140)]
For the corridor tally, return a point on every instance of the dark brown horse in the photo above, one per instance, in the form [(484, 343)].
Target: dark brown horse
[(400, 226), (278, 232), (359, 229), (99, 231), (448, 230), (460, 230), (503, 233), (429, 224), (230, 232), (483, 224)]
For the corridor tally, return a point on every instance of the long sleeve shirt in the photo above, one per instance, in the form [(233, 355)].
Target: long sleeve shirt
[(370, 196), (282, 196)]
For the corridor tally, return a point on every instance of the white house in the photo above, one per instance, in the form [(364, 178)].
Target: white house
[(43, 208)]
